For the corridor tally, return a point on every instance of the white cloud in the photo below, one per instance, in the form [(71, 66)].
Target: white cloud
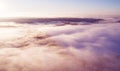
[(92, 47)]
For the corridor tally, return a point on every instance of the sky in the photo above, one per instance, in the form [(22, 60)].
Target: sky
[(59, 8)]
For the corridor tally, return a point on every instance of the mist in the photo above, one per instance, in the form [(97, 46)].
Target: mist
[(78, 46)]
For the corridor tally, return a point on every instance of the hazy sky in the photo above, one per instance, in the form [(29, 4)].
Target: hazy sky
[(58, 8)]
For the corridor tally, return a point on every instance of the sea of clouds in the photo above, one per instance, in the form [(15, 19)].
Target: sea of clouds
[(51, 47)]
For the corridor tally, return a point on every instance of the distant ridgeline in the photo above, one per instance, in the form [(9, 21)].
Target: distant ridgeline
[(48, 20)]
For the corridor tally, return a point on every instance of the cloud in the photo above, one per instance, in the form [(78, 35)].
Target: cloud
[(92, 47)]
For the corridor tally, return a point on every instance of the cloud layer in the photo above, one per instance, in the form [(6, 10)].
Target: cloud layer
[(94, 47)]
